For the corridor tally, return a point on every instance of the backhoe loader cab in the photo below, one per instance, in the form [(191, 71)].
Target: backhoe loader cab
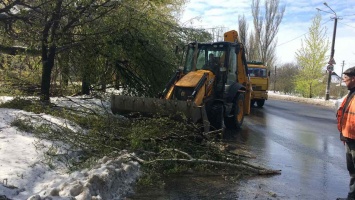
[(213, 88), (212, 57)]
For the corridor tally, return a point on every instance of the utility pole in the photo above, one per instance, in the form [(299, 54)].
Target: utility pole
[(331, 62), (341, 80), (275, 80), (342, 68)]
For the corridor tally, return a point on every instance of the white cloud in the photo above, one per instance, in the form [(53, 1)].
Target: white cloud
[(297, 19)]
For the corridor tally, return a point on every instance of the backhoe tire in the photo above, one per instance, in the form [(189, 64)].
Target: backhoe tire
[(236, 118), (260, 103), (216, 116)]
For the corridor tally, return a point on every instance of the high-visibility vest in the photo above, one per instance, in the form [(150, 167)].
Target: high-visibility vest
[(346, 120)]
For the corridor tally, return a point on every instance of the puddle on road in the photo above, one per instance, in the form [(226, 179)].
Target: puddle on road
[(205, 187), (190, 187)]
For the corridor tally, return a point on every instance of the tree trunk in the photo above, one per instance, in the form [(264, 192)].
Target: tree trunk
[(104, 77), (65, 75), (48, 55), (85, 86), (117, 81), (103, 86), (47, 66)]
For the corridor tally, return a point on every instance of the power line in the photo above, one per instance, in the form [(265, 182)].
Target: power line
[(347, 25), (348, 15), (291, 40), (298, 36)]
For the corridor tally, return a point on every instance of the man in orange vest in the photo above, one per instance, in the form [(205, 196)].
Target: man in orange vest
[(346, 126)]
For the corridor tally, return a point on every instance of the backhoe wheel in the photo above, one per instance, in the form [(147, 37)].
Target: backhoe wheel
[(235, 120), (216, 116), (260, 103)]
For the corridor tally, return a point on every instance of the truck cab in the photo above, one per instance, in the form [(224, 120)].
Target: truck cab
[(259, 77)]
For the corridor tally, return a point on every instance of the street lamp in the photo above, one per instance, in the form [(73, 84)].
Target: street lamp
[(331, 62)]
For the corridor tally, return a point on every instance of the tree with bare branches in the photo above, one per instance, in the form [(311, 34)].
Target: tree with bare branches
[(266, 26), (243, 33)]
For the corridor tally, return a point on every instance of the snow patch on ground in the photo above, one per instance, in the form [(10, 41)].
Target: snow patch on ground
[(109, 179), (314, 101), (24, 173)]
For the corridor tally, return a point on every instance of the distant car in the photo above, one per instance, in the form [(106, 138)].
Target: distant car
[(338, 102)]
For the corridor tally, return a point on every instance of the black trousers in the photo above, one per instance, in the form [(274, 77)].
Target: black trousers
[(350, 163)]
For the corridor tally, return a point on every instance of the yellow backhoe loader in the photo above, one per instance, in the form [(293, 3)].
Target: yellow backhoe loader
[(212, 88)]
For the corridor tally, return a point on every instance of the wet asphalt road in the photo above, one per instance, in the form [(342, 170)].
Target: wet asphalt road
[(300, 139)]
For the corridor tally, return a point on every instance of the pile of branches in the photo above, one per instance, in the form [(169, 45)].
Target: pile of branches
[(154, 140)]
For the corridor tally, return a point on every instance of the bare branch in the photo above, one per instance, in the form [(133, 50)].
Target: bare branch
[(242, 166)]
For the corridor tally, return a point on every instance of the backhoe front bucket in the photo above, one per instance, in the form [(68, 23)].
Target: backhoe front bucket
[(124, 104)]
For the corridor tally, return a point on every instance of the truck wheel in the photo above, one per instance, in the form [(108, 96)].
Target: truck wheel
[(237, 114), (260, 103), (216, 116)]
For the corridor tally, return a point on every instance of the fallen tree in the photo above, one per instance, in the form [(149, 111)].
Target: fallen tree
[(157, 143)]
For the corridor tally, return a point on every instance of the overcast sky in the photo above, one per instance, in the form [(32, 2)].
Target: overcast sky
[(294, 26)]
